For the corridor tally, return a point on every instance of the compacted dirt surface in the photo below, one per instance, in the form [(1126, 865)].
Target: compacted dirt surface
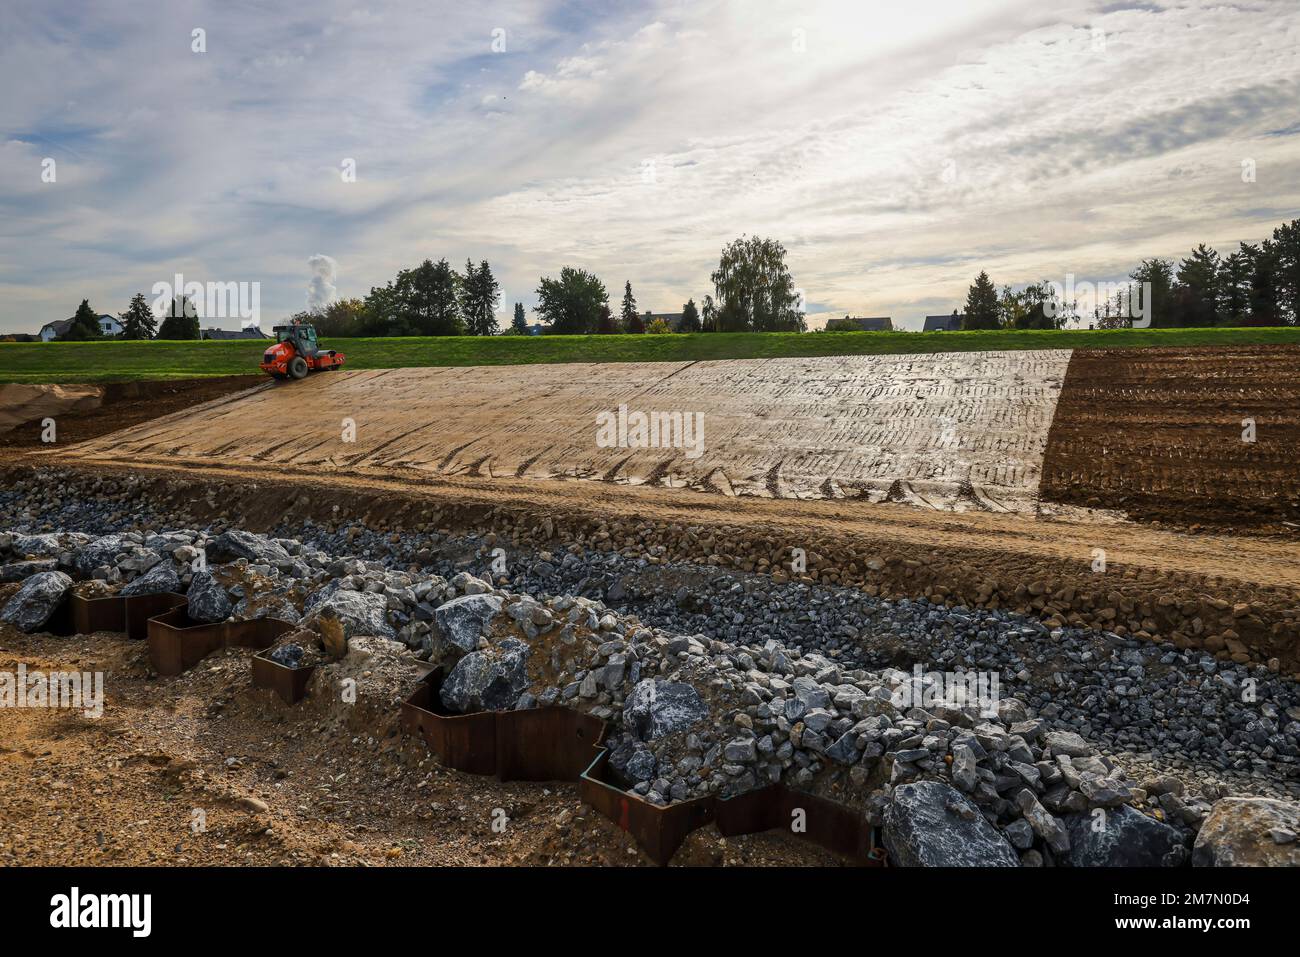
[(205, 769), (954, 431), (1163, 435)]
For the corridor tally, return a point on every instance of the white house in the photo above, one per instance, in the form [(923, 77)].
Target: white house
[(108, 326)]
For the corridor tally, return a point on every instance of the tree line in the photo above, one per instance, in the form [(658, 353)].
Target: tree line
[(1257, 285), (752, 292)]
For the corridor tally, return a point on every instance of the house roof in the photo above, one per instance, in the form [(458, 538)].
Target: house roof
[(58, 326), (943, 323), (249, 332)]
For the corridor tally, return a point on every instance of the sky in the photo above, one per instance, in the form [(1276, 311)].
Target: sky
[(895, 149)]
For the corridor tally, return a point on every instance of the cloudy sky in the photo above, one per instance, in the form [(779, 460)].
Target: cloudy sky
[(894, 148)]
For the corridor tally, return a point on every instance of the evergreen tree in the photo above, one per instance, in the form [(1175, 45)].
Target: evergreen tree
[(1234, 285), (605, 325), (520, 322), (181, 320), (479, 297), (690, 318), (1161, 307), (1198, 297), (627, 315), (85, 324), (981, 304), (1262, 297), (138, 321), (1285, 250)]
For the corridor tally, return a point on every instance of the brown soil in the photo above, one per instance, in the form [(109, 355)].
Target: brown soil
[(274, 785), (125, 404), (1157, 433)]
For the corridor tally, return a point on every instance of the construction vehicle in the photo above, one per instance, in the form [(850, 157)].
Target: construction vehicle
[(296, 352)]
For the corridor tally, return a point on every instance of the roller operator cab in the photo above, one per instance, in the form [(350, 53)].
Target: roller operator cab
[(296, 352)]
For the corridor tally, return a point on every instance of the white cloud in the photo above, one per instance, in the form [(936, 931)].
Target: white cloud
[(828, 125)]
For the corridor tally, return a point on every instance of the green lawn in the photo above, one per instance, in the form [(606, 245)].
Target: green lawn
[(114, 360)]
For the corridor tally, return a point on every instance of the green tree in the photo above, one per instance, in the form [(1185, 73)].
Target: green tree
[(1234, 285), (138, 321), (1285, 250), (1262, 296), (572, 303), (627, 315), (709, 316), (85, 325), (606, 325), (1157, 299), (479, 296), (181, 320), (690, 318), (1197, 298), (981, 304), (428, 298), (754, 289), (342, 318), (1034, 307), (520, 323)]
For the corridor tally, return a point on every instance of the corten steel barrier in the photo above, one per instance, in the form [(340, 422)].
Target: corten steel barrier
[(562, 744), (289, 683), (537, 744), (116, 613), (826, 823), (129, 615), (658, 830), (177, 643)]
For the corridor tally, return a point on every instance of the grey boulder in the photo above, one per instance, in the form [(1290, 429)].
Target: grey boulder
[(929, 824), (1121, 837), (488, 680), (101, 551), (208, 601), (36, 601), (655, 708), (359, 612), (18, 571), (460, 621), (235, 543), (160, 578)]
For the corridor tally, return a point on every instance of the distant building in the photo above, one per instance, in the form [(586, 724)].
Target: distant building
[(944, 323), (861, 324), (248, 332), (539, 329), (108, 326)]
